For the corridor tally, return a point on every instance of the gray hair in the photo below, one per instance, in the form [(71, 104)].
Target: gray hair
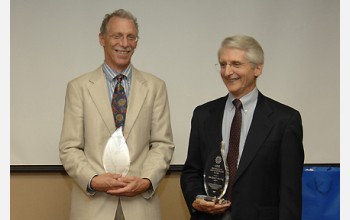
[(120, 13), (254, 52)]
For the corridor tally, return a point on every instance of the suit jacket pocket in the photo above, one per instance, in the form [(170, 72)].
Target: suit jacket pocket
[(268, 213)]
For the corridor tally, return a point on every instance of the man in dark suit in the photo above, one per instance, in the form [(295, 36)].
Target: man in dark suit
[(267, 183)]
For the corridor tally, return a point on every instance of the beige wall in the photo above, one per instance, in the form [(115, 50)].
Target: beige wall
[(297, 37), (46, 196)]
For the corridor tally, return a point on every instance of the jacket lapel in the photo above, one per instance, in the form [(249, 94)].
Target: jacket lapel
[(98, 91), (137, 97), (213, 124), (259, 130)]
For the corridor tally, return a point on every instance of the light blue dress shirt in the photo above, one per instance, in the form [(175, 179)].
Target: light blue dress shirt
[(248, 106)]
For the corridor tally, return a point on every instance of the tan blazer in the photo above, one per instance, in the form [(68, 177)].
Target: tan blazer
[(88, 123)]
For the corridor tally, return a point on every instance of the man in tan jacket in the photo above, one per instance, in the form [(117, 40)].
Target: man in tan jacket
[(89, 123)]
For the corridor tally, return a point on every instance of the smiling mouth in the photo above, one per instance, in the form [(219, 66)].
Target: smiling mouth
[(233, 79), (119, 51)]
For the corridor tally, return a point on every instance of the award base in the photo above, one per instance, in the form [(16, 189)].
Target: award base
[(213, 199)]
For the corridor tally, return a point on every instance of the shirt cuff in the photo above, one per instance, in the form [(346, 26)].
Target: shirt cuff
[(149, 193), (89, 190)]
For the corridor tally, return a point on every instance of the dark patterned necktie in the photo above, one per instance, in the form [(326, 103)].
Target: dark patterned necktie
[(233, 150), (119, 103)]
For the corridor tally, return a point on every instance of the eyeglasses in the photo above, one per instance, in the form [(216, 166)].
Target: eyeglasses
[(234, 65), (129, 38)]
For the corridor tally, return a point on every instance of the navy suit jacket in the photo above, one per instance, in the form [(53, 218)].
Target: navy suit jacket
[(269, 176)]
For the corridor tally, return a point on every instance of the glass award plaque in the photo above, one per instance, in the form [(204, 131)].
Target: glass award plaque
[(116, 158), (216, 176)]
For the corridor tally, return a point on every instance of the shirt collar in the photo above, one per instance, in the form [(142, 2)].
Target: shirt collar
[(247, 100), (111, 74)]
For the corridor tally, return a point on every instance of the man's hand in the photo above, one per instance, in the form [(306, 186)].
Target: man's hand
[(107, 181), (133, 186), (210, 207)]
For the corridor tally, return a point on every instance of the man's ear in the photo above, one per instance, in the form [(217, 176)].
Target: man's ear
[(258, 70), (101, 39)]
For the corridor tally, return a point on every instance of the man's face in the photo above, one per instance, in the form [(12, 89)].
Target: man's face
[(119, 43), (238, 74)]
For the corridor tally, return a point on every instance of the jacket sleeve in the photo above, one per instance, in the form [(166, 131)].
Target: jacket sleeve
[(192, 173), (291, 160)]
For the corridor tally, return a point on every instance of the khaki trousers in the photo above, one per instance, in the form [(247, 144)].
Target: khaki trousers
[(119, 213)]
